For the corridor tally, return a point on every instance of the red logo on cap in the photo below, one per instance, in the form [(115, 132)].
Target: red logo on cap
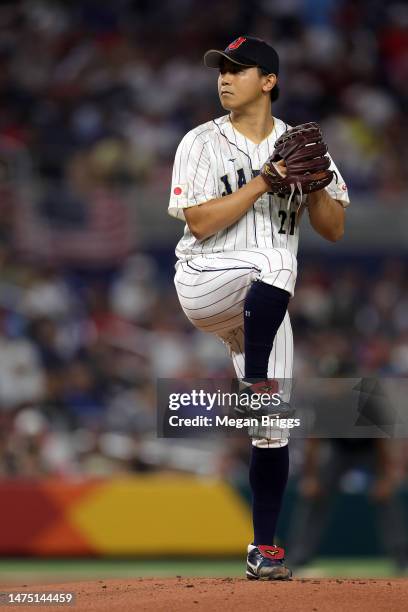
[(236, 43)]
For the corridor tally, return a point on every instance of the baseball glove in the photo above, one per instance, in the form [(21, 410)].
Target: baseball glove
[(307, 163)]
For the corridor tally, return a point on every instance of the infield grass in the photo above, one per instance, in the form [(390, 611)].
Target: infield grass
[(30, 570)]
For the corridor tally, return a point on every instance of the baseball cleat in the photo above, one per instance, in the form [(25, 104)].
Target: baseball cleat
[(275, 408), (266, 563)]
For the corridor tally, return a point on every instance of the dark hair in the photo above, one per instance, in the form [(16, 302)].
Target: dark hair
[(275, 90)]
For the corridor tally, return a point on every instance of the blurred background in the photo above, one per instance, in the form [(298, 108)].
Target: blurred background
[(94, 99)]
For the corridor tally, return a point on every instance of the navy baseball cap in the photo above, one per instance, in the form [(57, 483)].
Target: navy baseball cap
[(246, 51)]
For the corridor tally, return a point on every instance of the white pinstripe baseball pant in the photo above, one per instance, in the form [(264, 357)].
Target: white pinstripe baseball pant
[(212, 290)]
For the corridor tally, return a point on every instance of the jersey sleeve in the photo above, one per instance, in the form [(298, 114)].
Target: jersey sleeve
[(192, 181), (337, 189)]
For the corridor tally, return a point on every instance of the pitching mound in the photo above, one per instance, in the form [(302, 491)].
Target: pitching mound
[(227, 594)]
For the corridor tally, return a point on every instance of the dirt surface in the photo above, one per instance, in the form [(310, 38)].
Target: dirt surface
[(300, 595)]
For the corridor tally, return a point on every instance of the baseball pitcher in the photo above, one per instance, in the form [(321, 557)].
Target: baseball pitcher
[(241, 182)]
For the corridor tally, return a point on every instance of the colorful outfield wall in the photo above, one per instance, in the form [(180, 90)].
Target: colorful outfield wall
[(153, 515)]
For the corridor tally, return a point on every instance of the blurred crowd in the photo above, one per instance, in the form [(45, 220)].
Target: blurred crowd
[(94, 98), (95, 95), (110, 88), (80, 355)]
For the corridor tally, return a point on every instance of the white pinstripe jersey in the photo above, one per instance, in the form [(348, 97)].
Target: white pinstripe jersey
[(213, 160)]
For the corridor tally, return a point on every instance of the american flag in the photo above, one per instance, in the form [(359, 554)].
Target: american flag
[(105, 238)]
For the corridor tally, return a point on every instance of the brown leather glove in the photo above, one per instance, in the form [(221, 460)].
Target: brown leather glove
[(307, 163)]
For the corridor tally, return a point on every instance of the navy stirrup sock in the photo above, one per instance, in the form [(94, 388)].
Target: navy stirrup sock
[(268, 475), (264, 310)]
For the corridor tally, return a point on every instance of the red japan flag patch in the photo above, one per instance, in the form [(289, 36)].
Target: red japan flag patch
[(177, 190)]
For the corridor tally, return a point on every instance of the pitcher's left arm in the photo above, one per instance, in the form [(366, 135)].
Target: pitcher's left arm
[(326, 215)]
